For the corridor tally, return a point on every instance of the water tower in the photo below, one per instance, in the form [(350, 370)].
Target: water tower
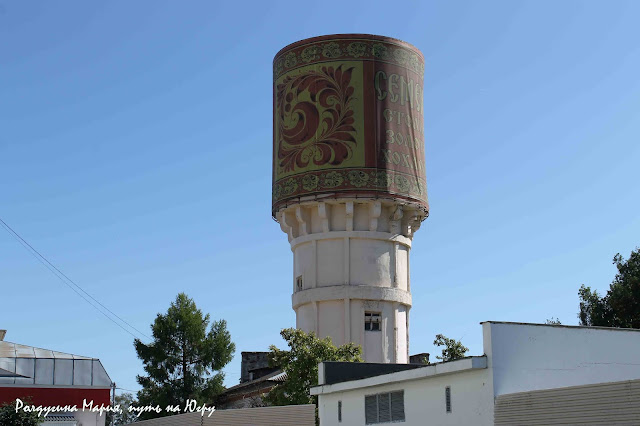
[(349, 184)]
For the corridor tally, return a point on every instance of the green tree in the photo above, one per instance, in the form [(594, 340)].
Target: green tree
[(184, 360), (453, 349), (300, 363), (124, 401), (620, 307), (9, 416)]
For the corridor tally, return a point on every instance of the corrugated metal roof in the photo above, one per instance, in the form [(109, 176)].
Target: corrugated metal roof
[(60, 417), (278, 377)]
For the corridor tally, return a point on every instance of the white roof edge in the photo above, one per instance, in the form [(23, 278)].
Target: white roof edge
[(587, 327), (452, 367)]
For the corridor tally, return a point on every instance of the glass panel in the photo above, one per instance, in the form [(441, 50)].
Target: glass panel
[(43, 353), (23, 351), (44, 371), (81, 373), (8, 364), (63, 372), (25, 366), (100, 377), (7, 350)]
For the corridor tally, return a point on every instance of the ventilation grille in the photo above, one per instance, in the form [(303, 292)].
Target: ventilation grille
[(384, 407)]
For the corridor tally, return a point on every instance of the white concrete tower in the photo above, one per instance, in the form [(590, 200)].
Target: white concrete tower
[(349, 185)]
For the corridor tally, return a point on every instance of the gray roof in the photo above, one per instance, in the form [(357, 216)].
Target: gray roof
[(15, 350), (21, 364), (7, 373), (59, 417), (276, 376)]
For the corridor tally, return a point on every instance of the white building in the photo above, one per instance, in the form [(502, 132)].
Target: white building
[(530, 374)]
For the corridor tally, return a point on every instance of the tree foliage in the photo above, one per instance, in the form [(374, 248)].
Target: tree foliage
[(453, 349), (124, 401), (620, 307), (9, 416), (553, 321), (184, 360), (300, 363)]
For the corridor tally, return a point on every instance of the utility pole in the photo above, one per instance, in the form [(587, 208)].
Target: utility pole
[(113, 402)]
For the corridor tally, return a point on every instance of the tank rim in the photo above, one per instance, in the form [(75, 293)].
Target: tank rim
[(347, 35)]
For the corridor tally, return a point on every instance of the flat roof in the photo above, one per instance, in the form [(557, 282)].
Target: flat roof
[(589, 327), (429, 370)]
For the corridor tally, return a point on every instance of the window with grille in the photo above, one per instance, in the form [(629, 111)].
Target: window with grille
[(299, 283), (372, 321), (447, 397), (384, 407), (339, 411)]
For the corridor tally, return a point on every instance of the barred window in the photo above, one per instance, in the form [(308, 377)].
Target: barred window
[(372, 321), (384, 407), (339, 411), (447, 397)]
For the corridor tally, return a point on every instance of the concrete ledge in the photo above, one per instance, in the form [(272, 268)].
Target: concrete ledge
[(452, 367), (341, 292), (336, 235)]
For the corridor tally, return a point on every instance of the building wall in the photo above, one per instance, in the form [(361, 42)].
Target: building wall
[(603, 404), (254, 365), (424, 401), (87, 418), (526, 357), (527, 364)]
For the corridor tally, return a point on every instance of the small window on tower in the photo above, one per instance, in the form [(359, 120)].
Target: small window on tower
[(372, 321), (299, 283)]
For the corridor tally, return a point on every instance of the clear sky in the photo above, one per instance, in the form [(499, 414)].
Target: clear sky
[(135, 153)]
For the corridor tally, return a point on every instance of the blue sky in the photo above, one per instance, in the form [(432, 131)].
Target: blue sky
[(135, 154)]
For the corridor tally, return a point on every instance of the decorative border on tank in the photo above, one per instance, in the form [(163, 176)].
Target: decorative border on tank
[(347, 195), (356, 180), (362, 47)]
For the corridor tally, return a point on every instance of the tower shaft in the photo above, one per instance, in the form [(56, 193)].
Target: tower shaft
[(351, 276)]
